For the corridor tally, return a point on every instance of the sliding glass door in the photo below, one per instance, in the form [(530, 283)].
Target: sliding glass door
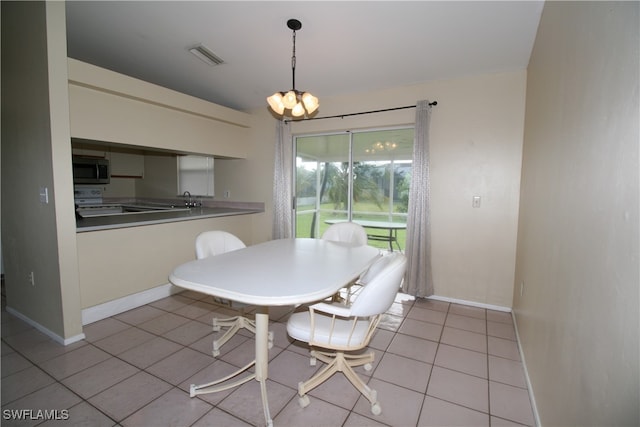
[(361, 176), (322, 183)]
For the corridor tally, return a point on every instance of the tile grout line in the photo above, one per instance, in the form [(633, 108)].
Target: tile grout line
[(55, 380), (434, 360)]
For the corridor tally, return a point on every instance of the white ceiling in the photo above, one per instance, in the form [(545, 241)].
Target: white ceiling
[(343, 47)]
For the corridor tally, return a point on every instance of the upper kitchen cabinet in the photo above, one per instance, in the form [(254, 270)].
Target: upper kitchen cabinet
[(126, 165), (125, 162), (111, 107)]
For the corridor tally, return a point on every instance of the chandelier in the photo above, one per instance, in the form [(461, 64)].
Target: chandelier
[(293, 102), (381, 146)]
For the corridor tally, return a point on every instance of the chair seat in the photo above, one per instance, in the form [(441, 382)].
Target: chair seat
[(299, 327)]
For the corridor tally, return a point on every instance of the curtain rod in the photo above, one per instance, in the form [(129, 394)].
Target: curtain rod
[(342, 116)]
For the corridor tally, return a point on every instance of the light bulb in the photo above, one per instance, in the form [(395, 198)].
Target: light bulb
[(290, 99), (298, 110), (310, 102), (275, 102)]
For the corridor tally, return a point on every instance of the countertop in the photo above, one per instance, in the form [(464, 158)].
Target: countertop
[(141, 219)]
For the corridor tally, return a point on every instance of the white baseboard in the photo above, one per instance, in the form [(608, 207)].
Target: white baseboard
[(471, 303), (532, 398), (120, 305), (57, 338)]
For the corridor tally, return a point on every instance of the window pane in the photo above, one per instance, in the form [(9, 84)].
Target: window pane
[(195, 175), (321, 182), (382, 172)]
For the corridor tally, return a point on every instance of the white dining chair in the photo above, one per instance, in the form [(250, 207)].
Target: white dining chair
[(216, 242), (353, 234), (348, 232), (347, 329)]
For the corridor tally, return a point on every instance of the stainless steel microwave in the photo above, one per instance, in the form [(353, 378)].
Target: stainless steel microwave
[(90, 170)]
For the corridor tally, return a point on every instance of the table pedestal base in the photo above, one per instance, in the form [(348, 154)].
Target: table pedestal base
[(260, 363)]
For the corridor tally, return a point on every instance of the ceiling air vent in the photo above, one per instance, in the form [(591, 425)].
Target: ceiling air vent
[(206, 55)]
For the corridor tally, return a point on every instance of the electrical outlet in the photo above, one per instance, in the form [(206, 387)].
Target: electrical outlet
[(227, 194), (475, 202), (31, 278)]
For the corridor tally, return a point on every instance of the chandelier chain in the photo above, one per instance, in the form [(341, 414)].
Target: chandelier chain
[(293, 61)]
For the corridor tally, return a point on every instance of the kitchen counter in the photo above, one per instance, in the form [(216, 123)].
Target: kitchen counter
[(141, 219)]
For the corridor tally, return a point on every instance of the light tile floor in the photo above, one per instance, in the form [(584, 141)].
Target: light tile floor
[(437, 364)]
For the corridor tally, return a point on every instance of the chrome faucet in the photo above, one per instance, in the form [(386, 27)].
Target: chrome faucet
[(187, 202)]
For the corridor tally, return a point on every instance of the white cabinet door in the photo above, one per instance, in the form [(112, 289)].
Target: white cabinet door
[(127, 165)]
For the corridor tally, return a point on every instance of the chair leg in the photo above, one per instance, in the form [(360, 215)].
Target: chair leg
[(234, 324), (224, 323), (340, 362), (365, 359), (352, 292), (368, 392), (346, 294), (324, 374)]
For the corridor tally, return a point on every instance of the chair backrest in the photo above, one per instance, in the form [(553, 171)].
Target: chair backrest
[(380, 291), (212, 243), (348, 232), (375, 268)]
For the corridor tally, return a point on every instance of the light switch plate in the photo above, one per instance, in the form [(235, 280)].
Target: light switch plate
[(44, 195)]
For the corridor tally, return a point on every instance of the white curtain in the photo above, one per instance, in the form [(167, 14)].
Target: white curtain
[(282, 197), (418, 279)]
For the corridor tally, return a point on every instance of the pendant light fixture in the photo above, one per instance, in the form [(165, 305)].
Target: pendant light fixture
[(293, 102)]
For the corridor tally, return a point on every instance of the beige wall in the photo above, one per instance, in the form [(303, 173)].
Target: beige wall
[(476, 143), (38, 237), (578, 233), (251, 179)]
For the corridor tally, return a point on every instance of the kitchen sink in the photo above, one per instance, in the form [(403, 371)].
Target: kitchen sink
[(125, 209)]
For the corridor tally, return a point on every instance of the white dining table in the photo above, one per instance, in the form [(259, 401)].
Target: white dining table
[(274, 273)]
